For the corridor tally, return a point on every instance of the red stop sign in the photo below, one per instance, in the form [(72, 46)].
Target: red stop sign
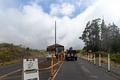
[(90, 51)]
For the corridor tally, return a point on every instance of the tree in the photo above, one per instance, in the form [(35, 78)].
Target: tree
[(70, 48), (104, 37), (91, 35), (99, 36), (110, 37)]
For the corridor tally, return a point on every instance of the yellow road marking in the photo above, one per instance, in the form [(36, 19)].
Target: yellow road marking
[(56, 73), (13, 77), (41, 61), (49, 67), (1, 77)]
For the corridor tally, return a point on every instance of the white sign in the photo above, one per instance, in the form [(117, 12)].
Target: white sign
[(30, 69)]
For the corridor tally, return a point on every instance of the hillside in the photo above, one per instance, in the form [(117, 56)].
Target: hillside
[(10, 53)]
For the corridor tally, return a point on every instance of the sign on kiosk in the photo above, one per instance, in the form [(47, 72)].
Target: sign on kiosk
[(30, 69)]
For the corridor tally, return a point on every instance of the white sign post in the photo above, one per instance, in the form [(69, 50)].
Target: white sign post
[(88, 57), (94, 59), (30, 69), (91, 57), (108, 62), (100, 60)]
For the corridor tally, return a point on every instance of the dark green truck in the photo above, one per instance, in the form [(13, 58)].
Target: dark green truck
[(71, 55)]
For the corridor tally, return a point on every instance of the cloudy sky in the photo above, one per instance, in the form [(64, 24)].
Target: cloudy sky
[(32, 22)]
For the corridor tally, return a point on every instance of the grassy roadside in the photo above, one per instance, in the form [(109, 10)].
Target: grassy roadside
[(33, 55), (103, 59), (10, 53)]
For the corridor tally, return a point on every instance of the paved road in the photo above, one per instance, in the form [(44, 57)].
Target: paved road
[(13, 67), (82, 70), (10, 68)]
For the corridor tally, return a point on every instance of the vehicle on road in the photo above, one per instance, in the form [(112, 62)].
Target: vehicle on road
[(71, 55)]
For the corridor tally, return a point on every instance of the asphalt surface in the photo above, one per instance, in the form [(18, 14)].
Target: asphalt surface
[(13, 70), (82, 70), (10, 68), (70, 70), (113, 69)]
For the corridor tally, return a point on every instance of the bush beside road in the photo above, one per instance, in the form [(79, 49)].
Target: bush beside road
[(10, 53)]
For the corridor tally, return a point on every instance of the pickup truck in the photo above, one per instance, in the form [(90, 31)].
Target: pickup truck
[(71, 55)]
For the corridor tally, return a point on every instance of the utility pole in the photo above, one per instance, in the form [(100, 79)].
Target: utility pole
[(55, 38)]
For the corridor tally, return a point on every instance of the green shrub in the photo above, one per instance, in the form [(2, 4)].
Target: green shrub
[(103, 54), (115, 58), (3, 57), (10, 52), (84, 52), (79, 51)]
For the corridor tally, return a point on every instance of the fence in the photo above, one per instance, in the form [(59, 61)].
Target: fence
[(31, 70), (92, 58)]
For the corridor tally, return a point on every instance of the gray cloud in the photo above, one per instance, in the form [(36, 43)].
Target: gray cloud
[(34, 28)]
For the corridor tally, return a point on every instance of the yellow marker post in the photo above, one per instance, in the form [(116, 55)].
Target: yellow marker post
[(61, 56), (52, 69), (58, 59)]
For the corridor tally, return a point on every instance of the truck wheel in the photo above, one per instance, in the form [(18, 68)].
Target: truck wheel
[(66, 59), (75, 59)]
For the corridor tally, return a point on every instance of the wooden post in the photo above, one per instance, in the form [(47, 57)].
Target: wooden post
[(52, 69)]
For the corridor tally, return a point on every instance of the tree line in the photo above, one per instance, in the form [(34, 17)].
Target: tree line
[(99, 36)]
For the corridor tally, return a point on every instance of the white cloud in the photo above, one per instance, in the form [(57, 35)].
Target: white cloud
[(34, 28), (109, 9), (78, 4), (65, 9)]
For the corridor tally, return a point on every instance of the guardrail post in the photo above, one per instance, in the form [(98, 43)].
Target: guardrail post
[(58, 59), (94, 59), (61, 57), (99, 59), (52, 69), (88, 56), (91, 57), (108, 62)]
